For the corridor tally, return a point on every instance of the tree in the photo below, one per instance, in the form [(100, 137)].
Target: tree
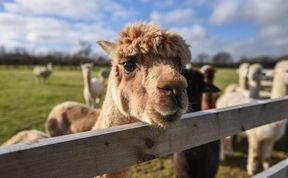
[(203, 57), (222, 58)]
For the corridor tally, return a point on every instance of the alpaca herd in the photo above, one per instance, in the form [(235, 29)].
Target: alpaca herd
[(148, 82)]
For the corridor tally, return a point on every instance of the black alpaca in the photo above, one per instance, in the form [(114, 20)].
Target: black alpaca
[(201, 161)]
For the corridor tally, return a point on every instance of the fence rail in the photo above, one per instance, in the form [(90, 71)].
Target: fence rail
[(280, 170), (96, 152)]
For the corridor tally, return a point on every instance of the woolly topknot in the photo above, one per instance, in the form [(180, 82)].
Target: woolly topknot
[(145, 38)]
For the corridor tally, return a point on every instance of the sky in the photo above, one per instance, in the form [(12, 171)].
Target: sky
[(241, 27)]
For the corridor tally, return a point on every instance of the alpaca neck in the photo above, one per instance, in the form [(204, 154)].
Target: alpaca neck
[(279, 88), (110, 115), (243, 83), (87, 79), (254, 89)]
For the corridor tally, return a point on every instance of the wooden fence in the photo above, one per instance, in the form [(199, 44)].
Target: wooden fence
[(280, 170), (96, 152)]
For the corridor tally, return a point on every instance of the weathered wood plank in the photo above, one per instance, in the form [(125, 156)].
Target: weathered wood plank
[(96, 152), (280, 170)]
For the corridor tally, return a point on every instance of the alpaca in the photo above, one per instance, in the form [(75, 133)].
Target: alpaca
[(43, 72), (240, 96), (243, 79), (254, 78), (70, 117), (201, 161), (27, 136), (262, 139), (145, 83), (92, 87), (209, 98)]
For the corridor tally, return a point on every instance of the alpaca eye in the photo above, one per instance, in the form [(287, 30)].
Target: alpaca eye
[(129, 66)]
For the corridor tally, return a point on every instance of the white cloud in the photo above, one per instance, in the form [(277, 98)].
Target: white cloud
[(270, 16), (35, 32), (178, 16), (199, 39), (85, 10), (225, 11)]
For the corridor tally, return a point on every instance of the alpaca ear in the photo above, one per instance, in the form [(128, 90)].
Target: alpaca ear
[(108, 47)]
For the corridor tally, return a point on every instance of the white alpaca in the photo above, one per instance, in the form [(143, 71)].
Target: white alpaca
[(241, 96), (243, 79), (92, 87), (262, 139), (254, 77), (27, 136), (43, 72), (70, 117)]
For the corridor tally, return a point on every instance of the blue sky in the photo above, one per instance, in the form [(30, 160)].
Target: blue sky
[(243, 28)]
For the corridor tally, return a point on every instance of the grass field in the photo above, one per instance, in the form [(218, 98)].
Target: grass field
[(25, 104)]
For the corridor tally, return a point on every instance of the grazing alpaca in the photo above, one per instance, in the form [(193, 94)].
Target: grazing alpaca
[(262, 139), (70, 117), (201, 161), (92, 87), (144, 83), (43, 72), (27, 136), (240, 96), (243, 79)]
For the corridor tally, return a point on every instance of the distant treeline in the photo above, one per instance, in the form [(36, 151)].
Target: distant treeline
[(224, 59), (56, 59), (20, 56)]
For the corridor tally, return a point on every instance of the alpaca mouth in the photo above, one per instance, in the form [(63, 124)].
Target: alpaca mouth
[(171, 117)]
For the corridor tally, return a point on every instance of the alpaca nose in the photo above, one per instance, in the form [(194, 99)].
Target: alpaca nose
[(175, 90), (171, 90)]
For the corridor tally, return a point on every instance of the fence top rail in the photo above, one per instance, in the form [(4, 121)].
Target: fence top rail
[(91, 153)]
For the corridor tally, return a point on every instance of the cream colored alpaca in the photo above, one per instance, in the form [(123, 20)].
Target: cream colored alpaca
[(241, 96), (262, 139), (70, 117), (243, 79), (27, 136), (92, 87), (144, 83), (254, 78)]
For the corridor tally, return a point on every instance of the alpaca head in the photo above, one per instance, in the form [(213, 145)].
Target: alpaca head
[(145, 80), (50, 66), (208, 71), (255, 74), (87, 67)]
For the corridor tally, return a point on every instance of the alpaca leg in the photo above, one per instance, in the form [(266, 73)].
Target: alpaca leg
[(253, 157), (222, 151), (93, 102), (229, 144), (267, 148)]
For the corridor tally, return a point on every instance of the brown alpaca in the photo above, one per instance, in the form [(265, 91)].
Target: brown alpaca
[(70, 117), (26, 136), (145, 83), (209, 98)]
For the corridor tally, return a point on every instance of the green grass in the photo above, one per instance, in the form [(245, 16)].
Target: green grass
[(25, 104)]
